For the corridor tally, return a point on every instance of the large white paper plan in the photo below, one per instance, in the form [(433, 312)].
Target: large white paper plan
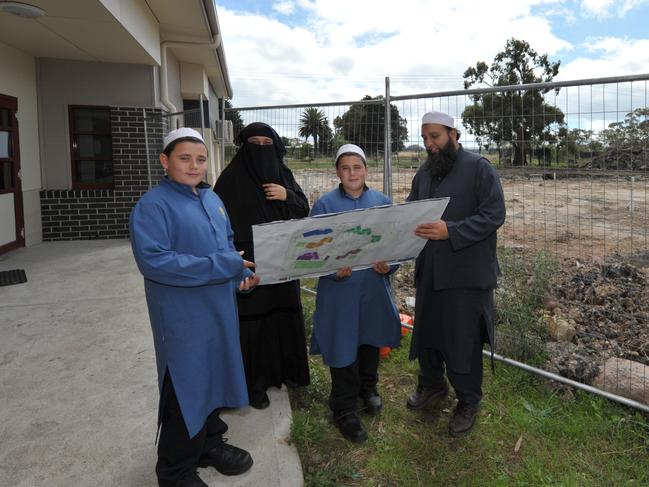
[(319, 245)]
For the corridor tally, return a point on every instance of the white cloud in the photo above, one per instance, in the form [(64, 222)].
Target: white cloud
[(286, 8), (610, 56), (602, 9), (306, 4), (344, 49)]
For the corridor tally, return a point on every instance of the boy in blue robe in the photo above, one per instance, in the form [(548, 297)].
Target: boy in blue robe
[(182, 243), (355, 313)]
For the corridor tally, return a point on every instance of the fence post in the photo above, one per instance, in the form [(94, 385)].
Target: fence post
[(222, 135), (200, 101), (387, 145)]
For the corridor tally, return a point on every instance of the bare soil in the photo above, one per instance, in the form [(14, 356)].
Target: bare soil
[(575, 217)]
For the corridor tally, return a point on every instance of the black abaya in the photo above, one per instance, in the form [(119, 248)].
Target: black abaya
[(273, 341)]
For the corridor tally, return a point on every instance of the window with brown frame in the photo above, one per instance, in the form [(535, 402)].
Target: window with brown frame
[(91, 147)]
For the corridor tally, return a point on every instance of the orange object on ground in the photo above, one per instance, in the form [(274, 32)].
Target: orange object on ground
[(405, 320), (384, 351)]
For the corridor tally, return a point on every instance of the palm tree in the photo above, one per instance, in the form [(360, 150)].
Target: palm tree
[(312, 122)]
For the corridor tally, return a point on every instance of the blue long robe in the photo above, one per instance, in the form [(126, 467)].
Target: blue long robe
[(182, 243), (357, 310)]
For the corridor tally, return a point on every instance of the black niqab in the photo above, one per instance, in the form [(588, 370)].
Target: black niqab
[(262, 163)]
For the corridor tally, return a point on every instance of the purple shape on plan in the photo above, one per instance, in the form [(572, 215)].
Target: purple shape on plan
[(309, 256)]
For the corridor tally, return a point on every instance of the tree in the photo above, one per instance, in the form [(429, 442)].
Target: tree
[(314, 123), (364, 124), (234, 116), (630, 133), (625, 143), (577, 144), (325, 141), (520, 117), (415, 148)]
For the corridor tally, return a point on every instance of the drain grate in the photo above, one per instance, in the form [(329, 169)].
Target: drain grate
[(16, 276)]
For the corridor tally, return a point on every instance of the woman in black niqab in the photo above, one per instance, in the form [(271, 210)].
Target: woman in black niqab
[(257, 187)]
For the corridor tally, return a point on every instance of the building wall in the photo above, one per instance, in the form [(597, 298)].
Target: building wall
[(102, 213), (62, 83), (173, 81), (136, 17), (18, 79)]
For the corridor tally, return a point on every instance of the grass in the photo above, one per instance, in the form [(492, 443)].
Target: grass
[(327, 163), (412, 160), (580, 441), (524, 284)]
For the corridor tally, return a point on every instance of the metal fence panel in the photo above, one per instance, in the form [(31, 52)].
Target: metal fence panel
[(573, 158)]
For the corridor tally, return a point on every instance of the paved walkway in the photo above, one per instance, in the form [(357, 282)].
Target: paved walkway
[(78, 393)]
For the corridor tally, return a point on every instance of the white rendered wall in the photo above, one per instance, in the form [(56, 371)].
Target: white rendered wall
[(18, 79), (8, 227), (193, 81), (62, 83), (136, 17)]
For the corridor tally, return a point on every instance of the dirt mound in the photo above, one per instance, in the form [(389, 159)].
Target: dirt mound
[(608, 301)]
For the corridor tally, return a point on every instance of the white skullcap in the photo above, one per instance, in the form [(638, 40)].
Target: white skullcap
[(179, 134), (438, 117), (350, 149)]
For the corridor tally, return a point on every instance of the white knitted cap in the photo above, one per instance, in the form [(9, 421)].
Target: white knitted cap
[(179, 134), (438, 117), (350, 149)]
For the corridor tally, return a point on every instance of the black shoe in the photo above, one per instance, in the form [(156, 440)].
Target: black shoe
[(226, 459), (350, 426), (372, 403), (463, 419), (424, 395), (291, 384), (190, 479), (259, 400)]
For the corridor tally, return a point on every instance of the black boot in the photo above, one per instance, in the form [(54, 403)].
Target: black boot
[(226, 459), (259, 399), (350, 426), (424, 395), (190, 479), (463, 419), (372, 402)]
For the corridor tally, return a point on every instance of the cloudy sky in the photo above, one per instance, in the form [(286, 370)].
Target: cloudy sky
[(308, 51)]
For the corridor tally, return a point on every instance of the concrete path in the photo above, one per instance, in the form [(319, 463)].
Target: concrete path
[(78, 393)]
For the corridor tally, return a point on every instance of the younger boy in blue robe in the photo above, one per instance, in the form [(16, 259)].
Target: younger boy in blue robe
[(182, 243), (355, 314)]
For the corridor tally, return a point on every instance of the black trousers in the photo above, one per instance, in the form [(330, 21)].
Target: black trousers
[(177, 452), (348, 383), (468, 387)]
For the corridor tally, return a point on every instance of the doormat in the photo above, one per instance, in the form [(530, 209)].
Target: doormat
[(16, 276)]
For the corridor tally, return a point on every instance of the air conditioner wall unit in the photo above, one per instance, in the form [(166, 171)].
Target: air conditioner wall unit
[(227, 134)]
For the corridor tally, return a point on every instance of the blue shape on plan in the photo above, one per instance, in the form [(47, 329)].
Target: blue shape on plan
[(320, 231)]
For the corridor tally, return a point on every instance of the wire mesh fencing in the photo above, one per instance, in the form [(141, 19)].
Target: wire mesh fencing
[(573, 158)]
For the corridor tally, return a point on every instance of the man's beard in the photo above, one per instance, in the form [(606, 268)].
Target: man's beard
[(441, 162)]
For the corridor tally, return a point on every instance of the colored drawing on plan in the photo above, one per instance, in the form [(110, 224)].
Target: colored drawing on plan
[(343, 244)]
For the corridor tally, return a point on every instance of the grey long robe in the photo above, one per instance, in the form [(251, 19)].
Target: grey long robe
[(455, 278)]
